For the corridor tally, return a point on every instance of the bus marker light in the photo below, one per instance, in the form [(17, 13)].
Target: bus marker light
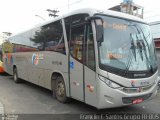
[(136, 101), (90, 88), (75, 83)]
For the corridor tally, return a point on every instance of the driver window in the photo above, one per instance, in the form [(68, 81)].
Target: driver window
[(89, 48)]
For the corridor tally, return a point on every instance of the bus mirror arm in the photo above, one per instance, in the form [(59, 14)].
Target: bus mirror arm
[(99, 27), (92, 18)]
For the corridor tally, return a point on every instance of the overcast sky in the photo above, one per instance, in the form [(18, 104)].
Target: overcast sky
[(18, 15)]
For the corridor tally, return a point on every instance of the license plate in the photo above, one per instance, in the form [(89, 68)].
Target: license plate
[(136, 101)]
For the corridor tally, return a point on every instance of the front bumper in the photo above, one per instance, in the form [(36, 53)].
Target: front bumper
[(110, 98)]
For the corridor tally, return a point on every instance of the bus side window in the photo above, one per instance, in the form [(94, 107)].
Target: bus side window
[(89, 48), (54, 39), (76, 43), (37, 39), (50, 37)]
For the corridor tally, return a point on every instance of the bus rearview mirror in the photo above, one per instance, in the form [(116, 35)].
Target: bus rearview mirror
[(99, 33)]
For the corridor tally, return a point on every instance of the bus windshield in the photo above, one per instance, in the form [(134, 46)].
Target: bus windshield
[(127, 46)]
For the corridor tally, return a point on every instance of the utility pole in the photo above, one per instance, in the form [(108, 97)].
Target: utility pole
[(52, 13)]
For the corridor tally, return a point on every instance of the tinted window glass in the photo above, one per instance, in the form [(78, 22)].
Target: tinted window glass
[(37, 38), (76, 43), (50, 37), (54, 37), (90, 54), (21, 43), (79, 19), (73, 21), (22, 39)]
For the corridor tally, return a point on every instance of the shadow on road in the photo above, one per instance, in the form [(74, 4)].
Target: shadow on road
[(4, 74), (75, 105)]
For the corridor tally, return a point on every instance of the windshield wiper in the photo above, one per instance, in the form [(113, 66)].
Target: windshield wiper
[(144, 46), (151, 67), (133, 48), (140, 47)]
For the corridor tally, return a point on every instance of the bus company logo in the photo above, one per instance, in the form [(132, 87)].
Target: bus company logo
[(9, 59), (90, 88), (133, 83), (35, 59)]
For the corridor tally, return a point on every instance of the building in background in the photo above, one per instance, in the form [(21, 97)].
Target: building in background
[(155, 28), (4, 36), (129, 7)]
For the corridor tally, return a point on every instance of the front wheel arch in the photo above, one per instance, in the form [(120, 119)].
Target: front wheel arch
[(56, 79), (15, 75)]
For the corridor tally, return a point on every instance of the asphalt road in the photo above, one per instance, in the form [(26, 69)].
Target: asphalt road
[(27, 98)]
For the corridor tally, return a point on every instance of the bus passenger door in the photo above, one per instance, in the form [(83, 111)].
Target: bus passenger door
[(76, 62), (90, 68)]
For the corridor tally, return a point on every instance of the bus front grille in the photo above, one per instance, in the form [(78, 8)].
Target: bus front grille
[(137, 89)]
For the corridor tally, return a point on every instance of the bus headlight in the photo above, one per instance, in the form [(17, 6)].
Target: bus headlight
[(109, 82)]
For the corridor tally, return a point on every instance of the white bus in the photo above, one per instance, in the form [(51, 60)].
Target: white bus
[(103, 58)]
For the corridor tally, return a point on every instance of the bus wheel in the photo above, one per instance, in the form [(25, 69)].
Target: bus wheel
[(60, 90), (15, 75)]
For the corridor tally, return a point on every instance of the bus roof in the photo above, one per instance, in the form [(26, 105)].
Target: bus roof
[(91, 12)]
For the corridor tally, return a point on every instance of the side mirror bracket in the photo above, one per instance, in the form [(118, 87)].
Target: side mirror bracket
[(99, 27)]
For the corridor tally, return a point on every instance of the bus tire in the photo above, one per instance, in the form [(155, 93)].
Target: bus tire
[(53, 88), (15, 75), (60, 90)]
